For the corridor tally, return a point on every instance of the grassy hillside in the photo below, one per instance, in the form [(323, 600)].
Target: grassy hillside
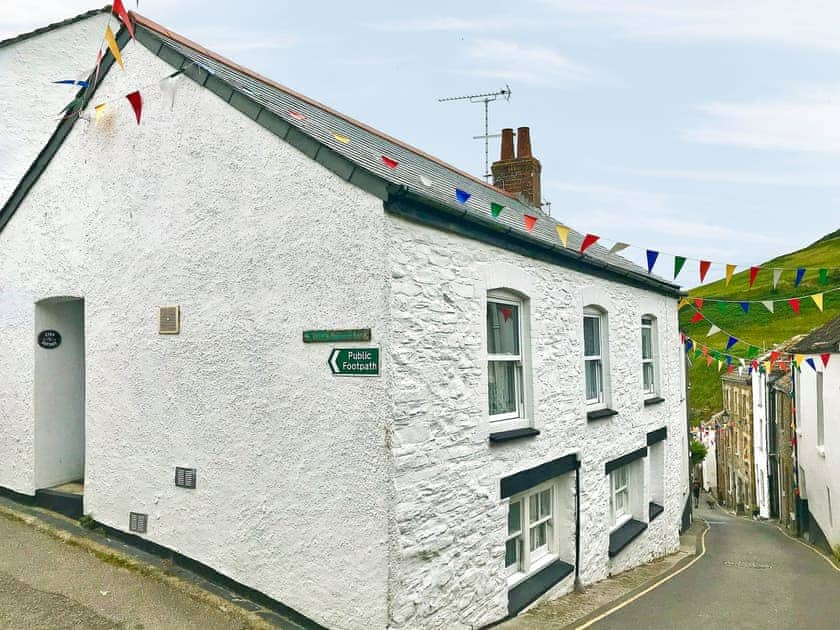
[(759, 326)]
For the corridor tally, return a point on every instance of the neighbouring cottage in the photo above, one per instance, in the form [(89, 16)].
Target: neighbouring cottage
[(782, 461), (188, 308), (817, 441), (735, 443)]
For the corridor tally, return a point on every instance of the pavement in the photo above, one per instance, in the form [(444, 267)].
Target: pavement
[(751, 576), (56, 575)]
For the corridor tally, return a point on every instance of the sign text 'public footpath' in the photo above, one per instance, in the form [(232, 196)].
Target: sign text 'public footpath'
[(354, 361)]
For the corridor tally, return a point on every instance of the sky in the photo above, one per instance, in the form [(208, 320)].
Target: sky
[(707, 129)]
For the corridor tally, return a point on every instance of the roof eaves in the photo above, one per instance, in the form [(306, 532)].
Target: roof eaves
[(54, 26)]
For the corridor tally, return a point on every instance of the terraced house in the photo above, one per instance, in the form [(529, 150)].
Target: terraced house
[(189, 306)]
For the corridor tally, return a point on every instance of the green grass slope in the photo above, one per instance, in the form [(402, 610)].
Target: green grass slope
[(759, 327)]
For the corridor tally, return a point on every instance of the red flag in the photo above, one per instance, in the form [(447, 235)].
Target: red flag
[(297, 115), (588, 241), (119, 9), (709, 361), (705, 351), (682, 338), (506, 313), (730, 368), (698, 317), (136, 103), (753, 273), (530, 221), (754, 364), (704, 269), (389, 162), (825, 357), (698, 302), (794, 304), (774, 356)]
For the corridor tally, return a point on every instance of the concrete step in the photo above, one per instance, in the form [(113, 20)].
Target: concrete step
[(67, 503)]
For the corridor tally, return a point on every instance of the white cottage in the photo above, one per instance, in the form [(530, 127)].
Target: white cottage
[(219, 277)]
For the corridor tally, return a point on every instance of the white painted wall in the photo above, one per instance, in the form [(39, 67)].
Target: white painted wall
[(448, 560), (821, 465), (760, 450), (59, 394), (709, 464), (28, 100), (203, 208)]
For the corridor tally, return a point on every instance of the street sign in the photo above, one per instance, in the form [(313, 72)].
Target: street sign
[(354, 361), (49, 339), (321, 336)]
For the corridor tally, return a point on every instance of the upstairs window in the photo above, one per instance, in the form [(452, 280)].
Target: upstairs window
[(820, 411), (506, 365), (594, 334), (649, 359)]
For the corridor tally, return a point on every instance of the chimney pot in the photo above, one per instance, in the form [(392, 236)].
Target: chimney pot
[(523, 142), (507, 144)]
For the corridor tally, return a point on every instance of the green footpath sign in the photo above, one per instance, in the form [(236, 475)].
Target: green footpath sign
[(354, 361)]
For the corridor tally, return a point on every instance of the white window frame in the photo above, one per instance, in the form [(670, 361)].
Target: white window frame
[(519, 418), (654, 356), (531, 561), (601, 401), (618, 519)]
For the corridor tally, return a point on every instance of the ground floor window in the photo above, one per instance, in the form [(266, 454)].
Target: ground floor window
[(531, 527), (620, 495)]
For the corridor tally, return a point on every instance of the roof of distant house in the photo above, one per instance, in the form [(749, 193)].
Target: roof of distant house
[(53, 26), (821, 340)]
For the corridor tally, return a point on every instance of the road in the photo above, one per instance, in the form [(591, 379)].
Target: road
[(46, 583), (751, 576)]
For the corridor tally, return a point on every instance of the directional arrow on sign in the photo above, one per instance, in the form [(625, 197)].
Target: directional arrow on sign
[(354, 361)]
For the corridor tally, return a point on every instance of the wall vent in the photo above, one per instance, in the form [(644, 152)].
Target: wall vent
[(169, 320), (137, 522), (184, 477)]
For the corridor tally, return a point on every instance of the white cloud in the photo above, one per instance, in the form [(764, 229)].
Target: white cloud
[(513, 61), (808, 121), (808, 23), (455, 24), (739, 177)]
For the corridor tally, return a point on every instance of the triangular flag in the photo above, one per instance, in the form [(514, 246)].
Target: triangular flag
[(716, 354), (168, 87), (98, 62), (732, 341), (618, 247), (745, 306), (698, 317), (768, 304), (818, 300), (530, 221), (798, 358), (709, 361), (301, 118), (823, 276), (697, 353), (767, 366), (720, 365), (341, 138), (800, 273), (698, 302), (688, 344), (774, 356), (389, 162), (136, 103), (754, 364), (810, 362), (713, 330), (80, 83), (428, 182), (730, 269), (679, 261), (496, 209), (682, 337), (563, 234), (705, 351), (119, 9), (506, 313), (777, 273), (704, 269), (728, 359), (730, 368), (588, 241), (753, 352), (794, 304), (462, 195), (825, 357), (651, 259), (722, 306), (99, 112), (682, 302), (753, 273), (112, 46)]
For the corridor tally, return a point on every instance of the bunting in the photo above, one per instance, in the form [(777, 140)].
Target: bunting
[(768, 304), (651, 259), (679, 261), (732, 341), (753, 273), (530, 222), (136, 101), (818, 300), (745, 306), (698, 317), (777, 273), (341, 138), (698, 302), (823, 276), (79, 82), (800, 273), (119, 9), (730, 269), (563, 234), (588, 241), (810, 362), (462, 196), (98, 113), (794, 305), (389, 162), (496, 210), (704, 269), (825, 357), (618, 247), (713, 331), (112, 46)]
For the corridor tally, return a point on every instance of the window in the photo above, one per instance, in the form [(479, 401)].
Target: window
[(620, 495), (648, 356), (594, 335), (820, 412), (530, 529), (506, 378)]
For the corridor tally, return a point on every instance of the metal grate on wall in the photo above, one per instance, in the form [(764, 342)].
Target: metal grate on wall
[(185, 477), (137, 522), (169, 320)]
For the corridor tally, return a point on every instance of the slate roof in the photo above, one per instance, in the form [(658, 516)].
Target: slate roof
[(53, 26), (367, 145), (821, 340)]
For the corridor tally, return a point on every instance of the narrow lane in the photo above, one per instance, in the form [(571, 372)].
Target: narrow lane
[(752, 576)]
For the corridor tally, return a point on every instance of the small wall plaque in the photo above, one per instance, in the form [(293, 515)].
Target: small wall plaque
[(331, 336), (49, 339)]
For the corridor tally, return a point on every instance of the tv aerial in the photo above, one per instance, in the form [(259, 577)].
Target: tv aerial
[(486, 99)]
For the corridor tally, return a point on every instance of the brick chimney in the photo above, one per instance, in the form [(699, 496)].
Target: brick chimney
[(519, 174)]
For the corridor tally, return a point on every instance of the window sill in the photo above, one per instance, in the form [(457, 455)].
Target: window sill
[(536, 584), (624, 535), (654, 401), (600, 414), (654, 510), (513, 434)]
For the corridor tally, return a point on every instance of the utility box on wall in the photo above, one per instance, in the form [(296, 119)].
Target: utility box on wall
[(169, 320)]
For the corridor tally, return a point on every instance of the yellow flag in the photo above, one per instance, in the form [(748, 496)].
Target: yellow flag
[(720, 365), (768, 366), (99, 112), (818, 300), (341, 138), (112, 46), (729, 271), (799, 358), (563, 233), (682, 302)]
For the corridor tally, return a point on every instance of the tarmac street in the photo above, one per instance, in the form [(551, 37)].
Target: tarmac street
[(751, 576)]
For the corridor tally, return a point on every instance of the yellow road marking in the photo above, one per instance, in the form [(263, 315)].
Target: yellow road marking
[(812, 548)]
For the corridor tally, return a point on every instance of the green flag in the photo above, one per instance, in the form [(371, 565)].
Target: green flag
[(679, 261)]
